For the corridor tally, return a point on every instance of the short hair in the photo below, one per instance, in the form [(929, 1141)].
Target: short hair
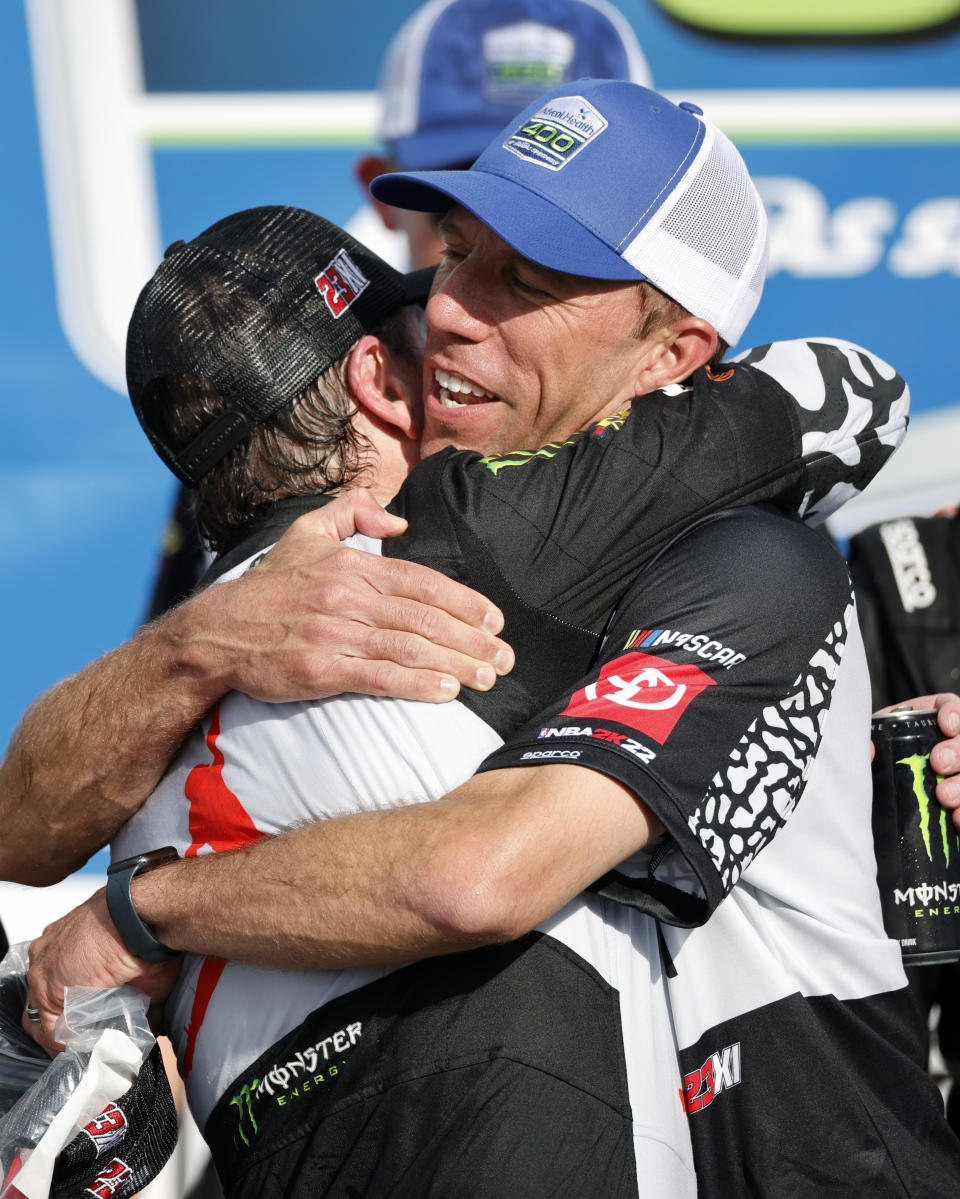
[(309, 446), (656, 309)]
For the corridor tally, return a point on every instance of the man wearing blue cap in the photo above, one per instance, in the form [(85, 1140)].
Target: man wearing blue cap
[(711, 705), (458, 70), (453, 75)]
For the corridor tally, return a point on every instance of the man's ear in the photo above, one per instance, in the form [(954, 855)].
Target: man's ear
[(365, 170), (384, 388), (674, 351)]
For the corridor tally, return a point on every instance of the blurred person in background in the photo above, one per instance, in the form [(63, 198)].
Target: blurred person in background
[(454, 75), (906, 573)]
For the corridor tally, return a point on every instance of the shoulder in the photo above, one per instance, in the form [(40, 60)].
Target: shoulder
[(759, 547)]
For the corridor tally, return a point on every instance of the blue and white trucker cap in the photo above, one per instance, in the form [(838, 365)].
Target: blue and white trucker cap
[(458, 70), (609, 180)]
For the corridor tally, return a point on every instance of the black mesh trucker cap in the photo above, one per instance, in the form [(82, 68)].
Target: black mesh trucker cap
[(123, 1148), (126, 1145), (259, 305)]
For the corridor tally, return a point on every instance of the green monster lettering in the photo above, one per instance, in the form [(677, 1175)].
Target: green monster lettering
[(812, 18), (244, 1107), (522, 457), (918, 764)]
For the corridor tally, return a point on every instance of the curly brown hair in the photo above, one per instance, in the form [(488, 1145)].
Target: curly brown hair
[(308, 446)]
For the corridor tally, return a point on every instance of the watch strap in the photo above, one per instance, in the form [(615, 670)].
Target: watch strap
[(134, 932)]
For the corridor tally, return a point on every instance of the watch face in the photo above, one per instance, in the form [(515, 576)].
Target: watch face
[(145, 861)]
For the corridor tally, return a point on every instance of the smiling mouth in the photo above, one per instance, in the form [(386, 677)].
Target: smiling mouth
[(457, 392)]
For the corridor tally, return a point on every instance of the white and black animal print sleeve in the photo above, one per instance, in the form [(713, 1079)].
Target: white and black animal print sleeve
[(708, 701)]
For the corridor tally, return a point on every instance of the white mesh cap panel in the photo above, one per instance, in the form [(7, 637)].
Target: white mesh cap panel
[(707, 245), (400, 74)]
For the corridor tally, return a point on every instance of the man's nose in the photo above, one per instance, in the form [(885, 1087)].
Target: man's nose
[(460, 305)]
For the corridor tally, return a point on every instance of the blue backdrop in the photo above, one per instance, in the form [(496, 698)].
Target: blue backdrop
[(873, 254)]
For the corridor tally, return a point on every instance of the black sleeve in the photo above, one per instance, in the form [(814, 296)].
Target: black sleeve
[(707, 701), (554, 536)]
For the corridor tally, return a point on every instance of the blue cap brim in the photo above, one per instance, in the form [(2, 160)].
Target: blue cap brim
[(536, 228)]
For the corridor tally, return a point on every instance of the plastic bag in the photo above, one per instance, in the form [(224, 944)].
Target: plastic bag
[(22, 1061), (65, 1119)]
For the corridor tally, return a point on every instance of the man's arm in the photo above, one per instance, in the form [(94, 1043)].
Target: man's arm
[(318, 621), (90, 751), (485, 864)]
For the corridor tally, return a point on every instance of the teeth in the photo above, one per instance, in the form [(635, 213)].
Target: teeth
[(457, 385)]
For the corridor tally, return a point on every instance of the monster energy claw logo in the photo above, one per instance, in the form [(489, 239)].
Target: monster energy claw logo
[(244, 1105), (496, 463), (918, 765)]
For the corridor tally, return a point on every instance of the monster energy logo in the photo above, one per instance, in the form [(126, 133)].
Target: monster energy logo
[(918, 765), (943, 894), (522, 457), (244, 1105)]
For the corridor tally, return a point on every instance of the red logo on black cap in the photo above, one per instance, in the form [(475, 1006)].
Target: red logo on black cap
[(340, 282), (647, 693), (110, 1179), (107, 1129)]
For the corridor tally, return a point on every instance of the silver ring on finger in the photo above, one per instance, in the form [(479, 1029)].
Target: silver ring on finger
[(32, 1013)]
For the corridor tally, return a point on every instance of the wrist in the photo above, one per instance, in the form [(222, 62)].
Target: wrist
[(133, 927), (186, 641)]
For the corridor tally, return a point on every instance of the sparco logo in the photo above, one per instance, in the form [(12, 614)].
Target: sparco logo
[(909, 564), (922, 787), (719, 1072), (533, 754)]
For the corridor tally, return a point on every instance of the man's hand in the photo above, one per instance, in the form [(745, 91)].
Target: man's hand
[(316, 618), (83, 949), (945, 755)]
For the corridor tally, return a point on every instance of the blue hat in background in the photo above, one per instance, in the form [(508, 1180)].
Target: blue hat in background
[(609, 180), (458, 70)]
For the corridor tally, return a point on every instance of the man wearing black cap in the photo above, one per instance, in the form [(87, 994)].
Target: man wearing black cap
[(641, 716), (453, 74)]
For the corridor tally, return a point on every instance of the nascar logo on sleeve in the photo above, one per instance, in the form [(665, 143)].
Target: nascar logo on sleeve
[(642, 691)]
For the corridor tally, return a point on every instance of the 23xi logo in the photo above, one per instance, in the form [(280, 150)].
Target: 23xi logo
[(645, 692)]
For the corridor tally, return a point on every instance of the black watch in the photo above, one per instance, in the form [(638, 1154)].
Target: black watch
[(136, 935)]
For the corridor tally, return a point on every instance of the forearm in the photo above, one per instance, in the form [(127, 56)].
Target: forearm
[(483, 865), (90, 750)]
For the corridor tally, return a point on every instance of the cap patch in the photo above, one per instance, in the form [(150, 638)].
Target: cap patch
[(557, 132), (523, 60), (340, 282)]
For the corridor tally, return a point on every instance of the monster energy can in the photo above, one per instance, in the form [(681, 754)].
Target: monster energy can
[(918, 849)]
